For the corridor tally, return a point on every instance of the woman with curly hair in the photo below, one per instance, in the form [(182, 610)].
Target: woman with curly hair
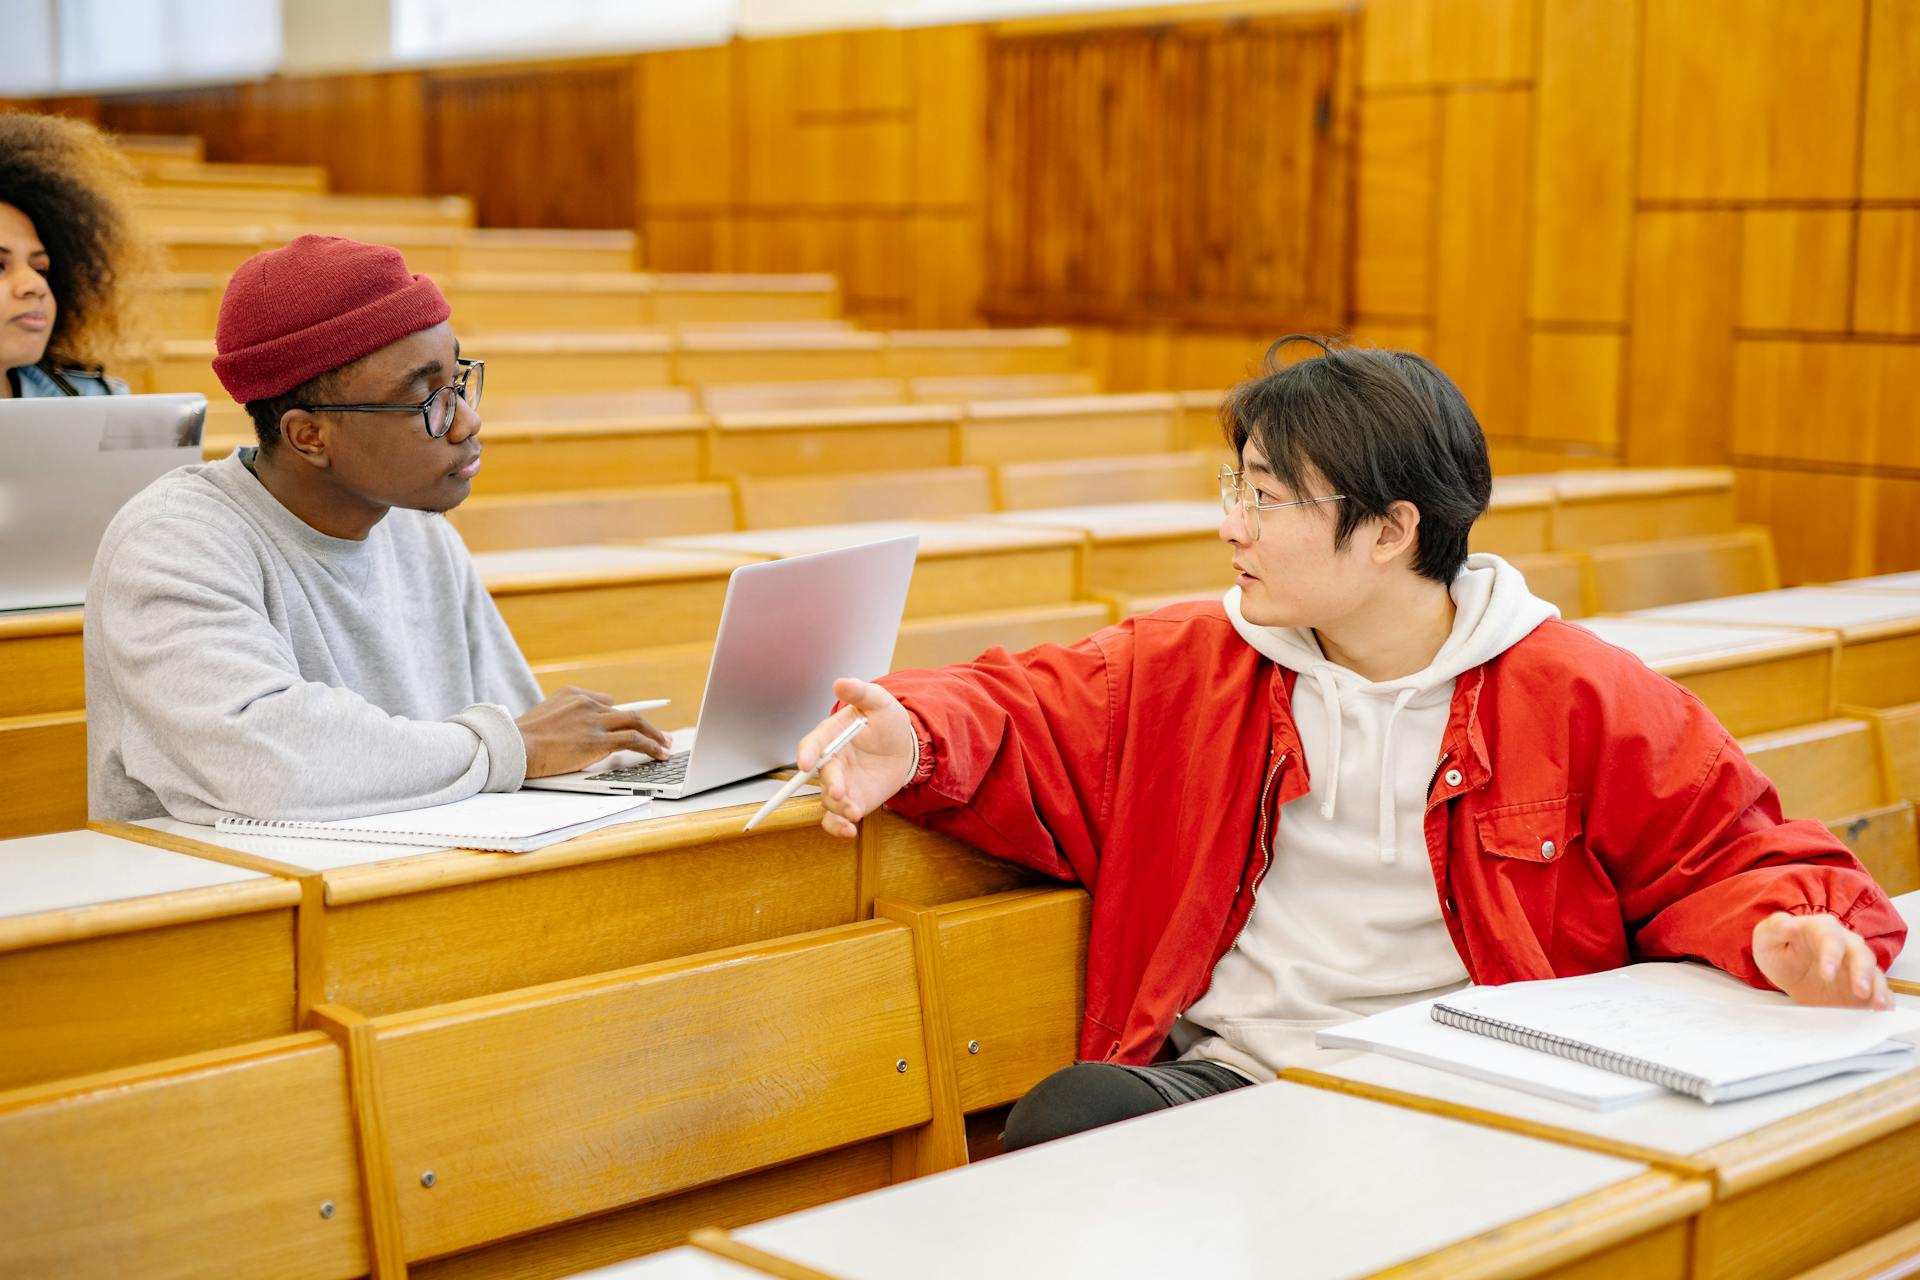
[(67, 249)]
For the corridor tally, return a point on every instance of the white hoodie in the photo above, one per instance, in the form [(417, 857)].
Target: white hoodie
[(1347, 921)]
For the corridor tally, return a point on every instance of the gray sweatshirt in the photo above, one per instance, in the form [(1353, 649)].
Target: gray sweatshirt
[(241, 662)]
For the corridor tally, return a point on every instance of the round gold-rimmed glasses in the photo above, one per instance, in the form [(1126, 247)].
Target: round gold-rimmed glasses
[(1235, 492)]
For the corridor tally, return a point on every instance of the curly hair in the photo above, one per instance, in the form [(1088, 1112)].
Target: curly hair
[(75, 186)]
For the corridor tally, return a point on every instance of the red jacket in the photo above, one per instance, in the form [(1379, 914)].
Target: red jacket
[(1150, 763)]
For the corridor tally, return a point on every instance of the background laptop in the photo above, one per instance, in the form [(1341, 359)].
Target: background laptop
[(788, 630), (67, 466)]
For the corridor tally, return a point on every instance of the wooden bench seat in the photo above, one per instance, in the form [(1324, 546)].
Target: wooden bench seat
[(242, 1161), (1898, 732), (1140, 548), (564, 602), (1753, 678), (181, 304), (935, 493), (1598, 507), (807, 393), (778, 356), (515, 249), (1198, 424), (967, 387), (708, 297), (516, 521), (1104, 481), (43, 725), (926, 353), (996, 432), (591, 453), (964, 566), (795, 442), (1645, 575), (519, 301), (1878, 633), (505, 407), (1518, 520), (1561, 577), (568, 363), (114, 953)]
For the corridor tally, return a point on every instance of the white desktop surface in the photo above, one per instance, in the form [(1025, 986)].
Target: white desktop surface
[(1657, 641), (937, 537), (684, 1263), (73, 869), (1122, 520), (1275, 1179), (1819, 607), (1883, 582), (1673, 1123), (1906, 965)]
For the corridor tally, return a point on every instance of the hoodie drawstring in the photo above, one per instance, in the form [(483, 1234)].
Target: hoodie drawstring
[(1389, 823)]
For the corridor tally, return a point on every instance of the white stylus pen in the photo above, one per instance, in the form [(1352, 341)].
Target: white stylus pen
[(798, 781)]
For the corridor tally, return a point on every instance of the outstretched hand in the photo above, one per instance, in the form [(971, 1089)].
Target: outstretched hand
[(867, 770), (1817, 960)]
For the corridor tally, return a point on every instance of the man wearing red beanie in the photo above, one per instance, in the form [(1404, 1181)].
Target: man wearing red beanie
[(293, 632)]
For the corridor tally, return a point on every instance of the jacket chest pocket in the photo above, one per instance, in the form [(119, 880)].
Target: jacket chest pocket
[(1538, 831)]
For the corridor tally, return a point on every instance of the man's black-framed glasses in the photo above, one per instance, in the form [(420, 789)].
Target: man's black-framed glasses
[(436, 411)]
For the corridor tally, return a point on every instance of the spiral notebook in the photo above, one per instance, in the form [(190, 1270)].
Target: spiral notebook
[(1685, 1027), (501, 822)]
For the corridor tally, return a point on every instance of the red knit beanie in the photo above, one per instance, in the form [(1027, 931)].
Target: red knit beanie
[(295, 313)]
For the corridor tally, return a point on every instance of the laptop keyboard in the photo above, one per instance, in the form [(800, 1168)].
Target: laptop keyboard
[(654, 773)]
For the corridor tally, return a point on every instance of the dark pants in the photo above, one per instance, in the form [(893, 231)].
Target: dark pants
[(1087, 1095)]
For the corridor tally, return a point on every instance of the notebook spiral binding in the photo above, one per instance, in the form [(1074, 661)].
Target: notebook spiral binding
[(1562, 1047)]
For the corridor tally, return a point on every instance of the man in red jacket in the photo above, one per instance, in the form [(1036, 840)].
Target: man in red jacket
[(1378, 769)]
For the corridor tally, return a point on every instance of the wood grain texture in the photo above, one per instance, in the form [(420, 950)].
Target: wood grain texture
[(1823, 770), (1195, 171), (1393, 234), (1885, 841), (1482, 41), (112, 1001), (1898, 731), (1890, 160), (1886, 296), (1584, 103), (1779, 122), (1822, 523), (1685, 301), (44, 758), (1480, 297), (1794, 265), (41, 655), (1574, 385), (1775, 694), (510, 521), (93, 1174), (1645, 575), (936, 493), (1396, 44), (910, 864), (560, 1101), (1151, 477)]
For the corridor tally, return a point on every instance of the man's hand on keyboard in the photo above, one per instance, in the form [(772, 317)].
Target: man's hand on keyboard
[(576, 727)]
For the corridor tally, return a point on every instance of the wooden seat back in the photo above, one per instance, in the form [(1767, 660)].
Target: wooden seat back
[(1884, 839), (241, 1161), (1822, 770), (933, 493), (967, 387), (506, 522), (816, 393), (1075, 482), (552, 1103), (1559, 576), (1646, 575), (1072, 427)]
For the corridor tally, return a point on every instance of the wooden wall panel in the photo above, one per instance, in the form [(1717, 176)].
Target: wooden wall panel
[(686, 129), (1395, 43), (1890, 161), (1806, 401), (1482, 41), (1823, 523), (1896, 429), (1583, 156), (1794, 268), (504, 137), (950, 120), (1886, 296), (1751, 99), (1575, 383), (1397, 154), (1394, 335), (1193, 173), (949, 268), (1895, 534), (1480, 297), (1680, 355)]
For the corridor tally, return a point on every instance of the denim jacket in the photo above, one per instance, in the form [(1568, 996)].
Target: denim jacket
[(34, 380)]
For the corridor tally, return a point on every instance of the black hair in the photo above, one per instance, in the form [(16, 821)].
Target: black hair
[(266, 414), (1382, 427)]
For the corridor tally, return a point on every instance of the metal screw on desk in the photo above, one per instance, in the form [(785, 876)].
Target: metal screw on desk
[(973, 1046), (427, 1179), (901, 1066), (326, 1208)]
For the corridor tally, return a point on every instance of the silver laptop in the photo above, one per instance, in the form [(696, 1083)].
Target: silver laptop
[(67, 465), (788, 630)]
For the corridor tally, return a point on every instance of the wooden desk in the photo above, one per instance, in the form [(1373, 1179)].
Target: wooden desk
[(1603, 506), (1884, 582), (1074, 427), (1879, 634), (1269, 1180), (964, 566), (966, 388), (1140, 548), (923, 353), (710, 297), (778, 356), (1518, 520), (43, 723), (114, 953), (684, 1263), (520, 301), (523, 521), (1797, 1176), (391, 928), (1198, 426), (542, 249), (1753, 678), (564, 602), (184, 304), (592, 453), (807, 393), (831, 441), (527, 364)]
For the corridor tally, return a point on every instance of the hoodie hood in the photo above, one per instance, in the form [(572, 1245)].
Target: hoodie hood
[(1494, 611)]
